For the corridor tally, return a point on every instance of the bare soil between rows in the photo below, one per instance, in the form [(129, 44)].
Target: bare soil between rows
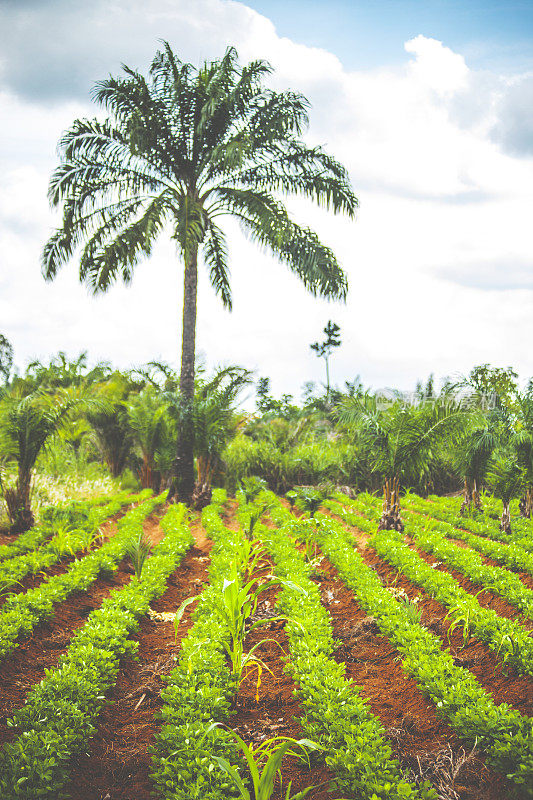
[(30, 581)]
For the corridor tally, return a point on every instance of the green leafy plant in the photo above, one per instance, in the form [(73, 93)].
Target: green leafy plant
[(264, 764), (62, 543), (291, 496), (254, 516), (251, 487), (138, 550), (412, 610), (239, 603), (311, 498)]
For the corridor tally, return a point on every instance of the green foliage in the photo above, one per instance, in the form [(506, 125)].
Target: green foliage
[(465, 609), (251, 487), (505, 477), (60, 712), (6, 358), (137, 550), (264, 764), (310, 499), (22, 612), (27, 424), (501, 732)]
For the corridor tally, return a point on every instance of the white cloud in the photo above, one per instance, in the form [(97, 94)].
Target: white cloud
[(440, 190)]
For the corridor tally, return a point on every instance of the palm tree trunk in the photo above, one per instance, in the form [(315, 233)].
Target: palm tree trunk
[(526, 502), (505, 522), (390, 518), (18, 503), (184, 465)]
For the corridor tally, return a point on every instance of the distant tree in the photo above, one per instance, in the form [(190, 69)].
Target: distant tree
[(6, 358), (179, 150), (263, 394), (401, 439), (26, 426), (494, 387), (426, 392), (323, 349)]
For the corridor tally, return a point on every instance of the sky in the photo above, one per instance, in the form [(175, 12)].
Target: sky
[(428, 105)]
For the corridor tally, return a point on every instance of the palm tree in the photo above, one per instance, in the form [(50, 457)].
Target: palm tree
[(26, 426), (149, 429), (473, 459), (506, 479), (522, 443), (401, 440), (215, 423), (180, 149)]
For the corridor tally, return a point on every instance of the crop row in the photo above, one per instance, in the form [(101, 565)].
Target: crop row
[(67, 541), (510, 640), (483, 527), (512, 555), (504, 734), (498, 580), (59, 714), (22, 612), (336, 715), (200, 689), (71, 514)]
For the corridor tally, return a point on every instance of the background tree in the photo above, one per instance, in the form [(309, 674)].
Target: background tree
[(6, 358), (150, 432), (402, 439), (180, 149), (323, 349), (506, 480), (26, 426), (522, 444), (215, 423)]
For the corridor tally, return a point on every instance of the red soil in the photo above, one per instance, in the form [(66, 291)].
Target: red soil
[(117, 762), (420, 739), (107, 529)]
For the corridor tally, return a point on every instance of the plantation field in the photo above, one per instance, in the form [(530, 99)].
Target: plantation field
[(406, 660)]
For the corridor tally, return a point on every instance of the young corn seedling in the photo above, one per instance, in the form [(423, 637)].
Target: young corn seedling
[(239, 603), (254, 516), (264, 764), (251, 558), (61, 544)]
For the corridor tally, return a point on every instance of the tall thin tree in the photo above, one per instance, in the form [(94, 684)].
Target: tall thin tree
[(179, 149)]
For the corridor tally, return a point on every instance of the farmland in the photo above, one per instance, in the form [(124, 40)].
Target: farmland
[(403, 659)]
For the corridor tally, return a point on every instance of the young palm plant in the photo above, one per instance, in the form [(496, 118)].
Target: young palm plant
[(522, 443), (27, 425), (137, 550), (505, 477), (472, 459), (401, 439), (149, 430), (181, 148)]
